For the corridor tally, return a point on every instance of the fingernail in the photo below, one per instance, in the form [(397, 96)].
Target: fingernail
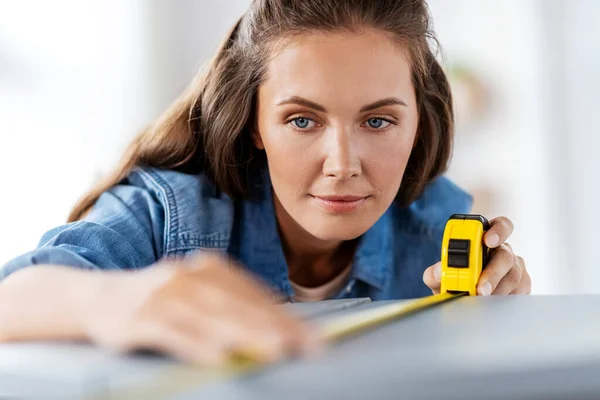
[(437, 272), (485, 289), (492, 239)]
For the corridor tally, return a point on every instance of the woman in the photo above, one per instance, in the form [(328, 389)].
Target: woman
[(310, 152)]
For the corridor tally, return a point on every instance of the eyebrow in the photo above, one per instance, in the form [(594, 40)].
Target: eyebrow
[(303, 102), (389, 101)]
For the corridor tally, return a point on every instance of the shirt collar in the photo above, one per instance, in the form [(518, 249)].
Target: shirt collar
[(373, 259), (262, 250)]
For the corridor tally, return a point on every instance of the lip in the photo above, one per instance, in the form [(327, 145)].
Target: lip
[(341, 203)]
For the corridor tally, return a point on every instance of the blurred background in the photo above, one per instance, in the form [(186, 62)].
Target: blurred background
[(78, 79)]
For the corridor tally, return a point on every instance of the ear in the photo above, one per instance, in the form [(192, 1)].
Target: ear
[(257, 139), (416, 139)]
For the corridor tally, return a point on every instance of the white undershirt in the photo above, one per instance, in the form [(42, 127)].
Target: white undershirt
[(323, 292)]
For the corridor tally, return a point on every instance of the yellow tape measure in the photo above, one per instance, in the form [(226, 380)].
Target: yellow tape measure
[(464, 254), (463, 258)]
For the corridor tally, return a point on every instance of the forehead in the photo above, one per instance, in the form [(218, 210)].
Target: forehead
[(339, 67)]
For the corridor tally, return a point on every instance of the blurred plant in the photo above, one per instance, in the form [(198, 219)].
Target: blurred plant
[(471, 96)]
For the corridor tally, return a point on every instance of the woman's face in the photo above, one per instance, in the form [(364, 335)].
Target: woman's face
[(337, 118)]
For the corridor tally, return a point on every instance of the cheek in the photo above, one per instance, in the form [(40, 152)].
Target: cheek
[(292, 161), (385, 161)]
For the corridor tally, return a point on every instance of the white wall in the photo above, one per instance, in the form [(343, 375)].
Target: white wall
[(68, 81), (581, 106), (77, 80)]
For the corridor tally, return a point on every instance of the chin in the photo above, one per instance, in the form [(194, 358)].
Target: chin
[(337, 230)]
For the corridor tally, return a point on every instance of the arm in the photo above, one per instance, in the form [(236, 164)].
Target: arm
[(47, 302), (45, 293), (199, 310), (87, 281), (124, 230)]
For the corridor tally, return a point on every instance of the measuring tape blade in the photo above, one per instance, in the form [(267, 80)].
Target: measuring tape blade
[(354, 323)]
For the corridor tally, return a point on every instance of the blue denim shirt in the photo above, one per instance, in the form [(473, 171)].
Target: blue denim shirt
[(155, 214)]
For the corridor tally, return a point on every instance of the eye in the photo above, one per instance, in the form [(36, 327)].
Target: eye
[(303, 123), (377, 123)]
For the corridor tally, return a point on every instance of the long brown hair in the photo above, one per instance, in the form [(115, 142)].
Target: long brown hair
[(208, 128)]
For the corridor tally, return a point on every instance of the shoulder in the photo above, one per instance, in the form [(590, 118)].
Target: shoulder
[(148, 215), (196, 213), (430, 212), (167, 184)]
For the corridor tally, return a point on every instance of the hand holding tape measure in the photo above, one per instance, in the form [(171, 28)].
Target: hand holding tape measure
[(504, 272), (475, 260)]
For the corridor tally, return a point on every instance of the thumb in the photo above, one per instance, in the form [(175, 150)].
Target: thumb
[(432, 277)]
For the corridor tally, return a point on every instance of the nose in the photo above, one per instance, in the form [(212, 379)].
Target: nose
[(341, 160)]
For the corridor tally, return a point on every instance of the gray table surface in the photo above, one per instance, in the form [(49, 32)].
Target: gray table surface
[(515, 347)]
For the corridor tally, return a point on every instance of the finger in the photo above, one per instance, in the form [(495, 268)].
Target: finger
[(510, 281), (249, 342), (300, 338), (230, 288), (272, 326), (269, 334), (250, 321), (500, 264), (186, 316), (254, 321), (180, 344), (293, 335), (432, 277), (500, 230), (180, 316), (525, 285), (229, 334)]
